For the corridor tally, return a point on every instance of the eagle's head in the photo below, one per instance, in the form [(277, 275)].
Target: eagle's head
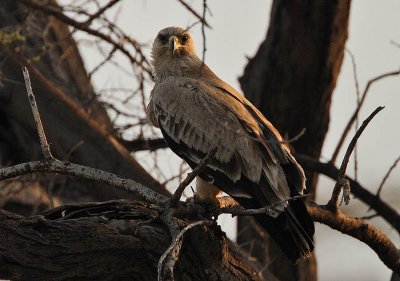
[(172, 41), (173, 52)]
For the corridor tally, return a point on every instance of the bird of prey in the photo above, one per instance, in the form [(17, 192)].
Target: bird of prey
[(197, 113)]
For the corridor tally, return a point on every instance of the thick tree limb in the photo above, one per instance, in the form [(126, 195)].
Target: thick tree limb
[(109, 241), (361, 230), (66, 168)]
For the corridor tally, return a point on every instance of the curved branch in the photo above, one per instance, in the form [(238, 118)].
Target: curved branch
[(361, 230), (332, 204), (66, 168), (355, 114), (328, 169)]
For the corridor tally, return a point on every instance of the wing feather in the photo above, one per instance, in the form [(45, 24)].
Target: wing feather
[(203, 117)]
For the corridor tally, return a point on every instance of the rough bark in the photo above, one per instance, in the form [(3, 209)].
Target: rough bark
[(109, 241), (76, 125), (291, 80)]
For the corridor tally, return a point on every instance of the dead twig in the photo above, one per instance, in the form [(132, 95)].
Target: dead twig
[(269, 209), (32, 101), (203, 31), (333, 201), (53, 11), (378, 193), (355, 114), (197, 15), (199, 168), (356, 84), (100, 11), (167, 261)]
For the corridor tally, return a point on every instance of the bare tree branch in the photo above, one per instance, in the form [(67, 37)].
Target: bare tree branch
[(168, 259), (361, 230), (199, 168), (197, 15), (388, 213), (66, 168), (378, 193), (355, 114), (101, 11), (36, 115), (332, 204), (50, 10), (356, 84), (240, 211)]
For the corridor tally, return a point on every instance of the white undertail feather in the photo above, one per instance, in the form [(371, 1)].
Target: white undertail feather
[(206, 192)]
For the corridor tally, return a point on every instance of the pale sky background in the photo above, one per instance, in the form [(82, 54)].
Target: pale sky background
[(238, 27)]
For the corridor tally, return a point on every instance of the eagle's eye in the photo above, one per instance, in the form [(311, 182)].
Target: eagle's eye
[(184, 39), (162, 38)]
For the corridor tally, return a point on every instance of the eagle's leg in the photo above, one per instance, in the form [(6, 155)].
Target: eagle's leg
[(206, 193)]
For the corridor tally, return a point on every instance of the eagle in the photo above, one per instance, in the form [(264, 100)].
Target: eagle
[(198, 113)]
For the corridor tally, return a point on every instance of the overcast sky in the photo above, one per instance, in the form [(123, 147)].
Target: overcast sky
[(238, 27)]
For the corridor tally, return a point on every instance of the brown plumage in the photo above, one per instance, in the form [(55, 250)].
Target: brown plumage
[(196, 112)]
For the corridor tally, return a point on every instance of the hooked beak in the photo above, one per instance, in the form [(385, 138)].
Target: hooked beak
[(173, 43)]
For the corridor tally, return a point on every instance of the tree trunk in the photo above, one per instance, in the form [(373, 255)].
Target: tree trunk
[(110, 241), (291, 80)]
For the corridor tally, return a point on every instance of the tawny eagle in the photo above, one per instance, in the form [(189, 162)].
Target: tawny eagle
[(197, 112)]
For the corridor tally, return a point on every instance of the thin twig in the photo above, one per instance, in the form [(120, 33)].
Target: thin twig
[(199, 168), (32, 101), (190, 9), (332, 204), (295, 138), (395, 43), (168, 259), (369, 217), (356, 84), (378, 193), (203, 31), (50, 10), (100, 11), (355, 114), (269, 209), (105, 60)]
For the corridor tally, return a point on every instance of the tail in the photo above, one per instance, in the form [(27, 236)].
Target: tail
[(292, 230)]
